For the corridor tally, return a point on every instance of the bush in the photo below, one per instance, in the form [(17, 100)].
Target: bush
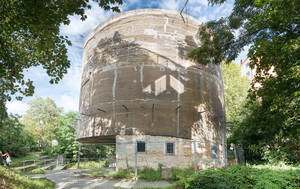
[(178, 174), (257, 177), (123, 173), (150, 174)]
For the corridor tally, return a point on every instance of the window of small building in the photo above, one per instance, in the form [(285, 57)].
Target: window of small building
[(214, 152), (141, 147), (170, 148)]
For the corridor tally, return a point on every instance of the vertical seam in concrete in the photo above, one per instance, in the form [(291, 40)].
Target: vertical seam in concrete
[(90, 105), (142, 75), (165, 25), (114, 95), (178, 101)]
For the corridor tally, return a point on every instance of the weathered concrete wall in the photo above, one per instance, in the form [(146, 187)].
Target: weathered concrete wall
[(137, 80), (156, 152)]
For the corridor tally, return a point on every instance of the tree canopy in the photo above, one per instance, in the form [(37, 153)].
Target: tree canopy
[(14, 137), (235, 90), (271, 29), (30, 36), (41, 120)]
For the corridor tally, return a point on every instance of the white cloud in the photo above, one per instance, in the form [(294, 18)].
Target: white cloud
[(202, 19), (68, 102), (95, 16), (202, 2), (17, 107), (170, 4), (194, 10)]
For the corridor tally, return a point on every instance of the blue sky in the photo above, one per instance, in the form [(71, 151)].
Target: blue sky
[(66, 92)]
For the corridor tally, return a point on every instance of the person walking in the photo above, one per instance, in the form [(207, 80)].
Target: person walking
[(7, 158), (1, 159)]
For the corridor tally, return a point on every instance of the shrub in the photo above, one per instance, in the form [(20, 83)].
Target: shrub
[(257, 177), (178, 174), (150, 174)]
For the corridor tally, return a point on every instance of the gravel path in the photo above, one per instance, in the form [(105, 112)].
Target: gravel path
[(65, 180)]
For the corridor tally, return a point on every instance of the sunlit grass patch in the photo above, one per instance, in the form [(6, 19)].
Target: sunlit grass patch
[(34, 171), (88, 165), (29, 156), (12, 179), (119, 174)]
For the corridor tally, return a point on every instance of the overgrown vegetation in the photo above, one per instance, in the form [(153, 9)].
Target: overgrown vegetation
[(12, 179), (258, 177)]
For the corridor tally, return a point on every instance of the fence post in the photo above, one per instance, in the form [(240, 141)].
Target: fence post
[(135, 160), (78, 159), (195, 156)]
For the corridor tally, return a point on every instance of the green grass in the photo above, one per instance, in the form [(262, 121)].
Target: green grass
[(120, 174), (30, 156), (147, 174), (34, 171), (150, 174), (245, 177), (88, 165), (11, 179)]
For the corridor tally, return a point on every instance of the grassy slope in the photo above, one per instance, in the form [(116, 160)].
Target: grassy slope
[(9, 179)]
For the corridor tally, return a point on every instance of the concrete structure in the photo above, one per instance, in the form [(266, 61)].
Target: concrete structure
[(250, 73), (246, 70), (137, 84)]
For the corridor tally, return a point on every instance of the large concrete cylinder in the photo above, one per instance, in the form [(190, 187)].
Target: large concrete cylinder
[(137, 80)]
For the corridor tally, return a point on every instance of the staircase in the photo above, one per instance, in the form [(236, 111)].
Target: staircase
[(43, 162)]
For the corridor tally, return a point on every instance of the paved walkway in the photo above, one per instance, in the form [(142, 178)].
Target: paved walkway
[(65, 180)]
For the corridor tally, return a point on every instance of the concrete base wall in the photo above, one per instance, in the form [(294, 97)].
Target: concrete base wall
[(206, 154)]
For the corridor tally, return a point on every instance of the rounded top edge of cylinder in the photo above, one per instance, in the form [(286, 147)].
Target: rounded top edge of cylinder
[(135, 13)]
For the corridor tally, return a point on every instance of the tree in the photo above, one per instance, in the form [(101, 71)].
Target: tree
[(41, 119), (30, 37), (271, 29), (14, 137), (235, 90), (68, 146), (66, 135)]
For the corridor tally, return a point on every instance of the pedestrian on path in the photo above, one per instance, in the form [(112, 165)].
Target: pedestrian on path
[(1, 159), (7, 158)]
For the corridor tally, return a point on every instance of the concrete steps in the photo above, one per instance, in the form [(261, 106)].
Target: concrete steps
[(36, 165), (28, 162), (49, 167)]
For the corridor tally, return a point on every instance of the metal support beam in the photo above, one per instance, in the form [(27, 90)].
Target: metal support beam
[(125, 107), (195, 155), (78, 159), (101, 110), (135, 160)]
